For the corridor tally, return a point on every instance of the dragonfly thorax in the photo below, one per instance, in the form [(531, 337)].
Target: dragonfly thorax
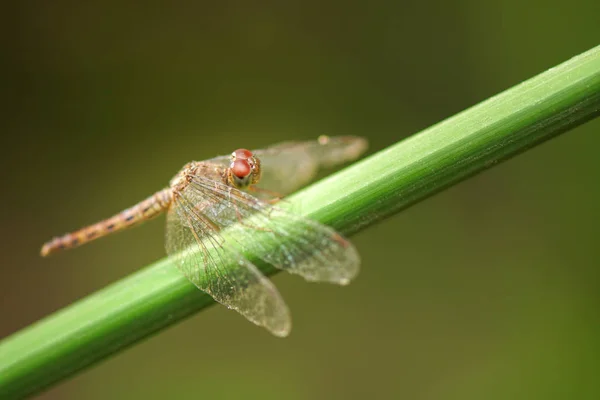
[(184, 176)]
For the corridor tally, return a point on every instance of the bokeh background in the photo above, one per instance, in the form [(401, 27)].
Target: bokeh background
[(487, 290)]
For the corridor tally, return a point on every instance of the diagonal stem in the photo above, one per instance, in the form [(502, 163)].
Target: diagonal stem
[(158, 296)]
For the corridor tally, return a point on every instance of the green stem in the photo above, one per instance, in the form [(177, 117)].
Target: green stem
[(157, 296)]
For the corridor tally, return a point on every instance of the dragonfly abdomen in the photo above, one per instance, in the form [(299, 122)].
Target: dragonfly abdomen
[(144, 210)]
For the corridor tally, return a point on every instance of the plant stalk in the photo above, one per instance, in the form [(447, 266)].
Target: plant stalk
[(375, 188)]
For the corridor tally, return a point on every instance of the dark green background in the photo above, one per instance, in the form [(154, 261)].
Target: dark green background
[(488, 290)]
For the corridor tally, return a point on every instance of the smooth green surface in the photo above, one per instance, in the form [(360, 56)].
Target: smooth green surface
[(462, 145), (377, 187)]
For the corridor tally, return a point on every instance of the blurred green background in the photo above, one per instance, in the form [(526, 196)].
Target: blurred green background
[(487, 290)]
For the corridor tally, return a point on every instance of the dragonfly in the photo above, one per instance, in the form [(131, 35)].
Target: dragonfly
[(222, 213)]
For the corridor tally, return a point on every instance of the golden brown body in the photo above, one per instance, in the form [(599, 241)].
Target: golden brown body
[(145, 210)]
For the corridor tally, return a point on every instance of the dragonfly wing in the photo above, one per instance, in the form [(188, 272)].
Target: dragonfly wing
[(203, 255), (287, 241), (288, 166)]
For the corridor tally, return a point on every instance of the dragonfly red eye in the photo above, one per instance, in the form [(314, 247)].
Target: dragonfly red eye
[(242, 154), (241, 168)]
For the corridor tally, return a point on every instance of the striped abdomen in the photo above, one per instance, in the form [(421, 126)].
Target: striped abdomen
[(147, 209)]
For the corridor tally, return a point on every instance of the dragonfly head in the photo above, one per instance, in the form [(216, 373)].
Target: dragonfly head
[(244, 169)]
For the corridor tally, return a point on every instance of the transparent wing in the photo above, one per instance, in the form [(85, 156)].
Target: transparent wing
[(287, 241), (288, 166), (203, 255)]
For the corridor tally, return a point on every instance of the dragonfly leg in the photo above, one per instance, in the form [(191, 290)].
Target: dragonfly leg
[(241, 220), (275, 197)]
